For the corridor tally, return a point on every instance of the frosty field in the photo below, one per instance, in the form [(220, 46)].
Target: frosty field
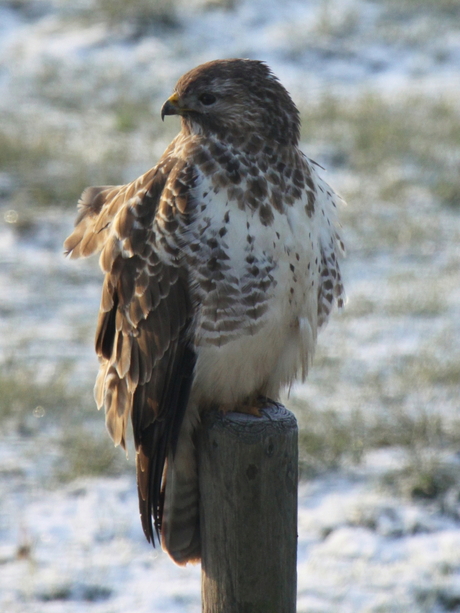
[(378, 86)]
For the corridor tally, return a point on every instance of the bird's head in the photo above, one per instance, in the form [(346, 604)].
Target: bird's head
[(234, 99)]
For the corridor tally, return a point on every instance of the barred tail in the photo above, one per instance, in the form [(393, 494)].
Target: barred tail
[(180, 530)]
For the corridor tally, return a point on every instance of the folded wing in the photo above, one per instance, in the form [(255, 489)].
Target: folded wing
[(146, 360)]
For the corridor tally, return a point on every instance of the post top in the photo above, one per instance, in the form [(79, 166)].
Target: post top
[(275, 419)]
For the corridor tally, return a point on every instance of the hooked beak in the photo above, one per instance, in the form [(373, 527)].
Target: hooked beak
[(171, 106)]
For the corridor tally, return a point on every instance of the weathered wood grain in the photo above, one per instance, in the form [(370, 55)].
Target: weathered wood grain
[(248, 510)]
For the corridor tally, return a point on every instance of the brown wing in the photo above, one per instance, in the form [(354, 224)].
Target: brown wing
[(141, 339)]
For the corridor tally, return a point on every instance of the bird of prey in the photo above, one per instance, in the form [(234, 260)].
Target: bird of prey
[(220, 265)]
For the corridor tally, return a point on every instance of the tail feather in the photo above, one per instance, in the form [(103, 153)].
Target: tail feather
[(180, 529)]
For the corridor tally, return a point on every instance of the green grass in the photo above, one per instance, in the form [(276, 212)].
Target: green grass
[(419, 25), (424, 476), (406, 296), (142, 15), (46, 171), (88, 451), (399, 162), (62, 415), (409, 295), (402, 404), (24, 399), (443, 7), (330, 439), (332, 25), (131, 114), (396, 145), (327, 439)]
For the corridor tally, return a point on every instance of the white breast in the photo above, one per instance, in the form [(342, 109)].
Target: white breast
[(258, 356)]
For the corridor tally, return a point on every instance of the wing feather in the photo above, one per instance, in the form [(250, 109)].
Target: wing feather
[(142, 339)]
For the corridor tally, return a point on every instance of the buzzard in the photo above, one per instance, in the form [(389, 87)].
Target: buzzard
[(220, 265)]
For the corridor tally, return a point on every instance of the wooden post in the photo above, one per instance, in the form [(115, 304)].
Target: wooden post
[(248, 511)]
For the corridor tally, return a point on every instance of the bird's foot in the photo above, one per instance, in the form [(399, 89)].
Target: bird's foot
[(249, 406), (249, 409)]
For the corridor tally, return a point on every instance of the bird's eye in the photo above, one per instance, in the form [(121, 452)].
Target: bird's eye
[(207, 99)]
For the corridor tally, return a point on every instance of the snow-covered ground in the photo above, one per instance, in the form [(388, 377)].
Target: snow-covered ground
[(379, 508)]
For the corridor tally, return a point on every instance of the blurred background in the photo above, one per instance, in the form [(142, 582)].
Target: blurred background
[(378, 86)]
